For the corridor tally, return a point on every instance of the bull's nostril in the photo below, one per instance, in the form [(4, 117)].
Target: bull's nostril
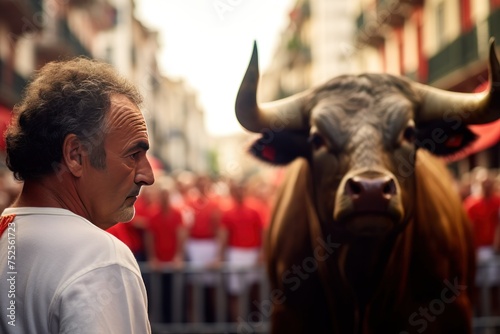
[(389, 188), (353, 187)]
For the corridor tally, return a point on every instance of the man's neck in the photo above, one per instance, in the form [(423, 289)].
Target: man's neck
[(49, 192)]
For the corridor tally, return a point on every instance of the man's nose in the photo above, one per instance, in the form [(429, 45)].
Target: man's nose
[(145, 175)]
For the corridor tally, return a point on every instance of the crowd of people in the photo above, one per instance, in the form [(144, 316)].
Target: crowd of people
[(186, 219)]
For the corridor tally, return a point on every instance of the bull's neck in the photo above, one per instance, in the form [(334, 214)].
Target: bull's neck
[(363, 264)]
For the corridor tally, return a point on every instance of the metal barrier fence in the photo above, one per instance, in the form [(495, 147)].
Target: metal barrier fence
[(487, 304), (196, 300)]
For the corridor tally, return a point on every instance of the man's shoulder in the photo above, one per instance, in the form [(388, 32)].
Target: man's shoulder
[(72, 237)]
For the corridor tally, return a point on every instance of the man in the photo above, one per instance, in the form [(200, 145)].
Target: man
[(79, 142)]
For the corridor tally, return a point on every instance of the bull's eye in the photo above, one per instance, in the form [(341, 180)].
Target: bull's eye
[(316, 140), (410, 134)]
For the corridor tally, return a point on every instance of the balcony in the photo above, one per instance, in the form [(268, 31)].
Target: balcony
[(62, 44), (393, 13), (371, 24), (20, 15), (454, 56), (407, 2), (72, 41), (12, 85), (102, 14), (369, 30), (494, 23)]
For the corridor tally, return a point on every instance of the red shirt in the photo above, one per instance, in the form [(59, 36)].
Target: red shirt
[(120, 231), (205, 212), (484, 215), (164, 225), (262, 207), (244, 226)]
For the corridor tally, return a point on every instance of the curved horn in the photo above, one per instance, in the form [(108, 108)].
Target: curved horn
[(470, 108), (281, 114)]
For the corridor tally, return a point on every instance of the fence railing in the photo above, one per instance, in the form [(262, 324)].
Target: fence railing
[(197, 300), (487, 303)]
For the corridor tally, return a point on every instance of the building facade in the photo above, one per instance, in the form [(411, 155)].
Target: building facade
[(443, 43), (316, 46), (34, 32)]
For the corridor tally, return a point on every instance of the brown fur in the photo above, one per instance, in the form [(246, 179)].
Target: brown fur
[(435, 248)]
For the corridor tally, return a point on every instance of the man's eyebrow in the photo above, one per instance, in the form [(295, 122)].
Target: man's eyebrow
[(139, 145)]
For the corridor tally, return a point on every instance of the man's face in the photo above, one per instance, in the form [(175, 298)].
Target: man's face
[(110, 193)]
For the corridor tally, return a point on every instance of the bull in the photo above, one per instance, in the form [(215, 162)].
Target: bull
[(367, 233)]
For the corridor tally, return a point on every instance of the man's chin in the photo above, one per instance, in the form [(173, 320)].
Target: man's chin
[(126, 215)]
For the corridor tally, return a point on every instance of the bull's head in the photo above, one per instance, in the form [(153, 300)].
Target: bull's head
[(360, 134)]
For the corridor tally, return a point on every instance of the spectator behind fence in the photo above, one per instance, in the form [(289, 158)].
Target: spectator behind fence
[(240, 245), (201, 246), (483, 209), (165, 238), (79, 142)]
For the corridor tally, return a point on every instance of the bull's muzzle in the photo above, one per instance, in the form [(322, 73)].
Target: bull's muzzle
[(370, 195), (369, 203)]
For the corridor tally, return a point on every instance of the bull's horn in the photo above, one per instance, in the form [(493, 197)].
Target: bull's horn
[(282, 114), (470, 108)]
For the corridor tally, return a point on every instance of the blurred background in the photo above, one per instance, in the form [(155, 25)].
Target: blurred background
[(188, 57)]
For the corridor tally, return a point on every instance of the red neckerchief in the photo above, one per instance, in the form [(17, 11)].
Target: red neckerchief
[(5, 221)]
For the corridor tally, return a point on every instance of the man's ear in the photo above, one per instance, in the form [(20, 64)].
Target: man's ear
[(73, 152)]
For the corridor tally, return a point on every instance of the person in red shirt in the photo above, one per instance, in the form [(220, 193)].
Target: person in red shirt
[(240, 245), (165, 233), (483, 209), (164, 238), (201, 246)]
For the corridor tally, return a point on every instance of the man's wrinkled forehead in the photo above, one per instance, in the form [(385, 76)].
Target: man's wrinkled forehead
[(123, 111)]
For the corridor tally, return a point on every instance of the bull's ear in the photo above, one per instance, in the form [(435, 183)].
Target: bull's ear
[(443, 138), (281, 147)]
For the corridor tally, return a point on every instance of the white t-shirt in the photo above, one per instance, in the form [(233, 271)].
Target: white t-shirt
[(59, 273)]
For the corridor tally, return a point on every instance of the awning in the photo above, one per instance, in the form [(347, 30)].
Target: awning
[(487, 136)]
